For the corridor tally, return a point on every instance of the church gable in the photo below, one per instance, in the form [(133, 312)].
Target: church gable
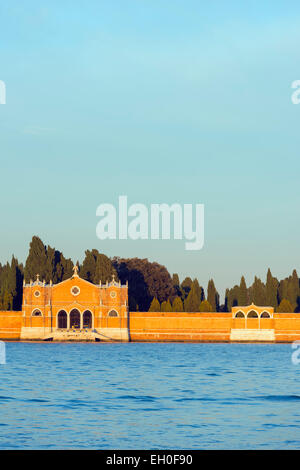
[(75, 290)]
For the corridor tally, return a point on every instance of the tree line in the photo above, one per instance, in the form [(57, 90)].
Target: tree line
[(150, 285)]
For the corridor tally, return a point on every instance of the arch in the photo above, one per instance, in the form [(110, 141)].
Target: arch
[(265, 314), (113, 313), (240, 314), (252, 314), (62, 319), (36, 313), (87, 319), (113, 319), (75, 318)]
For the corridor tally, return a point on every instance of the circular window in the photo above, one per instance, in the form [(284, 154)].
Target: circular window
[(113, 294), (37, 293), (75, 290)]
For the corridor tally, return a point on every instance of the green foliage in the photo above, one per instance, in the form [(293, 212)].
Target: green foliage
[(175, 280), (145, 280), (186, 286), (205, 306), (213, 296), (97, 267), (243, 294), (271, 290), (11, 285), (166, 306), (285, 307), (155, 305), (150, 284), (177, 305), (192, 302), (258, 293), (48, 262)]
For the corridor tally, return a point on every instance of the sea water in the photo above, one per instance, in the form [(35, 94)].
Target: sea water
[(149, 396)]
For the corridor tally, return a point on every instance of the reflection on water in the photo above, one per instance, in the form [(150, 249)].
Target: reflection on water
[(149, 396)]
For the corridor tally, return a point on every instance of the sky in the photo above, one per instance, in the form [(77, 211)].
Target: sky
[(162, 101)]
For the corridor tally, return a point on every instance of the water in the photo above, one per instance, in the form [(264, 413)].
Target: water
[(149, 396)]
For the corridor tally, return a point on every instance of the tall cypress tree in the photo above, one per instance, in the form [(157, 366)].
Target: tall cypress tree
[(258, 292), (205, 306), (186, 286), (212, 295), (177, 305), (243, 293), (285, 307), (271, 290), (293, 290), (97, 267), (154, 306), (192, 302), (36, 262)]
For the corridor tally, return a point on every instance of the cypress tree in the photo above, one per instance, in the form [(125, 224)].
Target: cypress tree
[(199, 290), (36, 262), (212, 295), (186, 286), (243, 293), (154, 306), (293, 289), (192, 302), (176, 285), (285, 307), (271, 290), (97, 267), (258, 292), (177, 305), (205, 306), (48, 262)]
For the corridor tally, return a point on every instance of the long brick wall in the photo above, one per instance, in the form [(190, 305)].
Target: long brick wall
[(287, 327), (180, 327), (10, 325), (185, 327)]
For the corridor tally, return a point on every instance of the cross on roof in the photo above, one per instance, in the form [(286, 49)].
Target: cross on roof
[(75, 270)]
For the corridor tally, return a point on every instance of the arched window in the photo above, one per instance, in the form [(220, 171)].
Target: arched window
[(265, 315), (75, 319), (252, 314), (240, 315), (113, 313), (37, 313), (62, 319), (87, 319)]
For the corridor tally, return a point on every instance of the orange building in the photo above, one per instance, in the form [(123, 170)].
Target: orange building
[(74, 309), (77, 310)]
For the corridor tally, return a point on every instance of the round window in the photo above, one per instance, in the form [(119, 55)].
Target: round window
[(75, 290), (113, 294), (37, 293)]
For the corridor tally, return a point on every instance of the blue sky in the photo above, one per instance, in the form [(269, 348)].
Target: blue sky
[(163, 101)]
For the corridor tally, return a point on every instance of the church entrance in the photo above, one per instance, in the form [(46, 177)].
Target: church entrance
[(87, 319), (62, 319), (75, 319)]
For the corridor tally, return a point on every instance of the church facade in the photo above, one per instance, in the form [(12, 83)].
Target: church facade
[(76, 306)]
